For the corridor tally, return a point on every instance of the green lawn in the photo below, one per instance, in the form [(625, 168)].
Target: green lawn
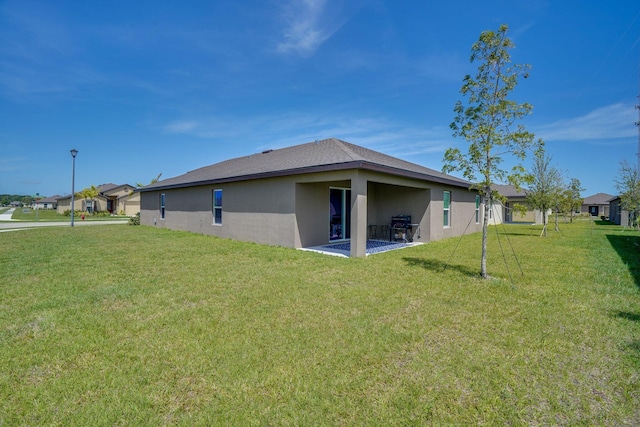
[(120, 325)]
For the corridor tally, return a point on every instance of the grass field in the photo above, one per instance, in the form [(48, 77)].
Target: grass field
[(120, 325)]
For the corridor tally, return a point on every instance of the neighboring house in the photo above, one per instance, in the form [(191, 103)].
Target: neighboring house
[(15, 204), (596, 205), (129, 204), (119, 199), (111, 198), (313, 194), (617, 215), (506, 212), (46, 203)]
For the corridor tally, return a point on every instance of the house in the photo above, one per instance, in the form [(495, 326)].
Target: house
[(313, 194), (46, 203), (596, 205), (115, 199), (120, 199), (505, 212), (617, 215)]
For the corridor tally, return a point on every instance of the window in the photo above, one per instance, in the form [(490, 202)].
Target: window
[(477, 209), (89, 206), (217, 206), (162, 206), (447, 209)]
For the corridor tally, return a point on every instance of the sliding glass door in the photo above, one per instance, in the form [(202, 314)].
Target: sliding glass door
[(340, 213)]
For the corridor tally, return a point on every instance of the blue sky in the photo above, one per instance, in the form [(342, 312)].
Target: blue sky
[(148, 87)]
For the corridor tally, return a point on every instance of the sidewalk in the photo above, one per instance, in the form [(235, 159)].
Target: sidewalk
[(6, 216)]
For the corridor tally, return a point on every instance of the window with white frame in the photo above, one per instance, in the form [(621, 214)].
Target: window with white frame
[(162, 206), (217, 206), (446, 214), (477, 208)]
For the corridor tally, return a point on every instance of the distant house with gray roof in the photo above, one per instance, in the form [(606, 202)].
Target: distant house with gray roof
[(50, 202), (597, 205), (313, 194)]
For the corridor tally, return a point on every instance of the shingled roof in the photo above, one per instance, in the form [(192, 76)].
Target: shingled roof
[(320, 156), (598, 199), (508, 190)]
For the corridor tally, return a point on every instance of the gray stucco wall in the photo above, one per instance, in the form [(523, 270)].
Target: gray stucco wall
[(258, 211), (293, 211), (618, 215)]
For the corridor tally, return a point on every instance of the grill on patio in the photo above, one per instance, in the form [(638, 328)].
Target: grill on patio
[(401, 228)]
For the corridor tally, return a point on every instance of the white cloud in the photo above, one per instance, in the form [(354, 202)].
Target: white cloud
[(307, 26), (181, 126), (282, 130), (606, 123)]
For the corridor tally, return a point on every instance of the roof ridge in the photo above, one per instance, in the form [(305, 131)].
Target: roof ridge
[(345, 146)]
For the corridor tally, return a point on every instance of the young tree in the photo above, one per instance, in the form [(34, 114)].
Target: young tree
[(140, 185), (628, 184), (488, 123), (571, 198), (545, 189), (153, 181)]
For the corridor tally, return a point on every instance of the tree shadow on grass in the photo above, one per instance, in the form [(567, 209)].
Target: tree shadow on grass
[(628, 249), (524, 231), (634, 317), (440, 266), (633, 345)]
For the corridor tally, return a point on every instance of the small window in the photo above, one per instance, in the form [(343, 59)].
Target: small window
[(162, 206), (447, 209), (217, 206), (477, 209)]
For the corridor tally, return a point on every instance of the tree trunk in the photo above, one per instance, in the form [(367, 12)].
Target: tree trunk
[(485, 232), (544, 223), (557, 229)]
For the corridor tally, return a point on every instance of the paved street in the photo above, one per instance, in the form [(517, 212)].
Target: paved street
[(14, 225)]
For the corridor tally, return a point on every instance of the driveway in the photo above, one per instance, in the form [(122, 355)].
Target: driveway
[(14, 225)]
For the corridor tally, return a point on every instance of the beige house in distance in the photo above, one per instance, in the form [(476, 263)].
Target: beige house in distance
[(313, 194), (115, 199), (505, 212)]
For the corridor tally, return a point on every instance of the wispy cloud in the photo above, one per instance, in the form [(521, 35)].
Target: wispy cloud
[(611, 122), (181, 126), (10, 164), (281, 130), (307, 26)]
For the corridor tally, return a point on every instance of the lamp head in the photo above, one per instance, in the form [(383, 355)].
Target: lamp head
[(74, 152)]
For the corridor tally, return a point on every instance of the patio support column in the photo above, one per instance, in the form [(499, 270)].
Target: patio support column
[(358, 215)]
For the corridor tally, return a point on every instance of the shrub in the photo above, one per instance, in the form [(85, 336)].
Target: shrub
[(135, 220), (68, 213)]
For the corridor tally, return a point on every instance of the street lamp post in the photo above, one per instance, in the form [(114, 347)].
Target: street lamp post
[(74, 153)]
